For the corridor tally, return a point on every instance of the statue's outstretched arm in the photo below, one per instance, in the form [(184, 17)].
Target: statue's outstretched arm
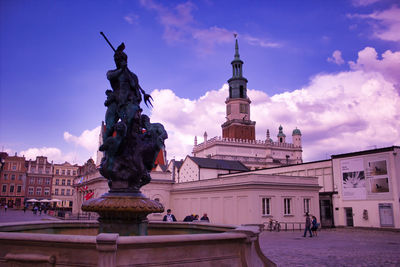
[(112, 74)]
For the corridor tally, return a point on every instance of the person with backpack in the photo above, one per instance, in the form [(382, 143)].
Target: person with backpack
[(314, 225)]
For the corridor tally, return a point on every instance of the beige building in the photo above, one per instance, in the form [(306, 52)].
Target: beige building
[(368, 184), (39, 178), (247, 198), (322, 170), (360, 189), (226, 190), (63, 178)]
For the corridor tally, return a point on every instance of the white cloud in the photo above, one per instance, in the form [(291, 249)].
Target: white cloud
[(52, 154), (180, 26), (336, 58), (385, 24), (364, 2), (388, 66), (132, 19), (89, 139), (342, 112)]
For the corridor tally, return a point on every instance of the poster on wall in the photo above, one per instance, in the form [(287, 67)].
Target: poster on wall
[(377, 175), (353, 179)]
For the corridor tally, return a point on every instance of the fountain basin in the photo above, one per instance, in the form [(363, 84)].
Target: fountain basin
[(213, 245)]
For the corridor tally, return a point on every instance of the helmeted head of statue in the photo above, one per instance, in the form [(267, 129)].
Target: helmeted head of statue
[(120, 58)]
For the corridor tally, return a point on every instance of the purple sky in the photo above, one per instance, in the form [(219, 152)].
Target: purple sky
[(330, 68)]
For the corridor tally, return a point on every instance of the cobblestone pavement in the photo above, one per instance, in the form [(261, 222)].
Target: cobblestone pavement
[(12, 215), (333, 247)]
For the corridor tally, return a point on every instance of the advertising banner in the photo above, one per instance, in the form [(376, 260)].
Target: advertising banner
[(365, 178), (353, 177)]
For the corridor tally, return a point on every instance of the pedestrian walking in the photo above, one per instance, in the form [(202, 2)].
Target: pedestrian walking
[(5, 208), (308, 225), (24, 209), (314, 226)]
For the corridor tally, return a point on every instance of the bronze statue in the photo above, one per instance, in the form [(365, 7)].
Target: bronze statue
[(130, 142)]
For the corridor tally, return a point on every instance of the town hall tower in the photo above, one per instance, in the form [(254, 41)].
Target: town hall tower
[(238, 124)]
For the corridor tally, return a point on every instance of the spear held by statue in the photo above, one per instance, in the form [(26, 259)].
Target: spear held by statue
[(120, 48)]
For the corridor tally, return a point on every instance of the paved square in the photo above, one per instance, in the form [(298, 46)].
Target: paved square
[(333, 247)]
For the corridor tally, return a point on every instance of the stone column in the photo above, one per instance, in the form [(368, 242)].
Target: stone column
[(106, 245)]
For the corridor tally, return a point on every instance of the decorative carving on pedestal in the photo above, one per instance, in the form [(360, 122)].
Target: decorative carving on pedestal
[(130, 144)]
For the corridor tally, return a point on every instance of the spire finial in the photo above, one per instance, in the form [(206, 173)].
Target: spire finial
[(237, 56)]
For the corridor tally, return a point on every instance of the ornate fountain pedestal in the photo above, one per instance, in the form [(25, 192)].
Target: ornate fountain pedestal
[(123, 213)]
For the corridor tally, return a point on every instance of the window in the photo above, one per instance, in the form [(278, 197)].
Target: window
[(57, 171), (62, 192), (287, 206), (13, 177), (5, 176), (68, 192), (14, 167), (228, 109), (48, 181), (306, 202), (68, 172), (241, 91), (243, 108), (47, 191), (19, 188), (31, 180), (47, 170), (63, 172), (12, 188), (57, 181), (74, 172), (68, 182), (266, 206), (63, 181), (30, 191), (38, 191), (39, 180), (56, 192), (4, 188), (20, 177)]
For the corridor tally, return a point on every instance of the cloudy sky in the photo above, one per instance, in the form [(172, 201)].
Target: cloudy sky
[(330, 68)]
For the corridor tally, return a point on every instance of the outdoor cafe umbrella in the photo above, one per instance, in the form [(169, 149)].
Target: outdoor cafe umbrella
[(55, 200), (44, 201), (32, 200)]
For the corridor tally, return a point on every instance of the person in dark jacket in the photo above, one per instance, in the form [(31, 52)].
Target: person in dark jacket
[(308, 225), (314, 226), (169, 217), (189, 218), (205, 218)]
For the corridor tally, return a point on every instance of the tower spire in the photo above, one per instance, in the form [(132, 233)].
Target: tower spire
[(237, 56), (238, 124)]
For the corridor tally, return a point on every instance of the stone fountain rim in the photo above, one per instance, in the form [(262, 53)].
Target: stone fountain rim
[(232, 232)]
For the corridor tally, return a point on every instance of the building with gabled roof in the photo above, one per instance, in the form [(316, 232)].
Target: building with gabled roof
[(196, 169)]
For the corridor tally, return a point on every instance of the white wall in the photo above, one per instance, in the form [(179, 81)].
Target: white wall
[(367, 199), (236, 198)]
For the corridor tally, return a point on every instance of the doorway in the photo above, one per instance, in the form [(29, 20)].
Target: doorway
[(349, 216), (326, 211)]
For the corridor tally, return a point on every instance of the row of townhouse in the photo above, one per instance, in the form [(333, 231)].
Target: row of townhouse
[(22, 180)]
